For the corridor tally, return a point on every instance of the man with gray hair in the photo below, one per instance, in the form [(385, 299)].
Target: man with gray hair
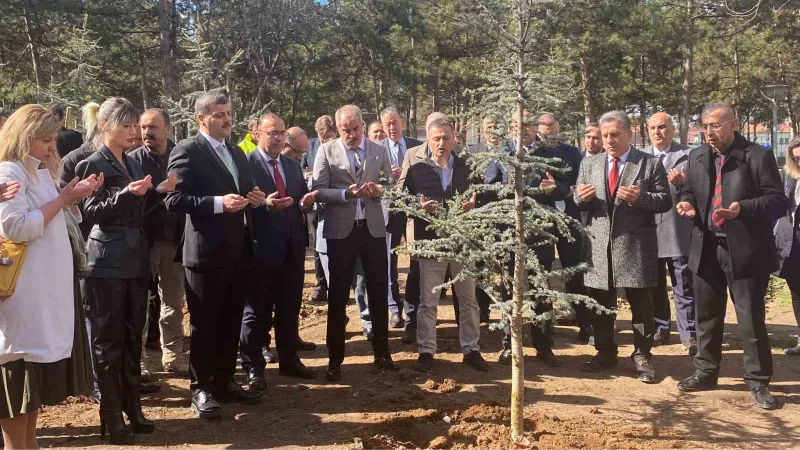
[(621, 190), (350, 174), (215, 191)]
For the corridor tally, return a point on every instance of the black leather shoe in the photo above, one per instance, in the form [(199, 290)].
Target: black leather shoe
[(505, 357), (661, 337), (476, 361), (234, 393), (334, 373), (319, 295), (397, 320), (148, 388), (424, 363), (409, 334), (204, 405), (763, 398), (645, 370), (697, 382), (269, 356), (255, 379), (298, 370), (368, 334), (599, 364), (305, 346), (548, 358), (385, 363)]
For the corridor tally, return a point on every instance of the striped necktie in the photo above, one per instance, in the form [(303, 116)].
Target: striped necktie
[(716, 203)]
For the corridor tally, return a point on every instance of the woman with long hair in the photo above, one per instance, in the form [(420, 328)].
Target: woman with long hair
[(787, 233), (118, 267), (43, 353)]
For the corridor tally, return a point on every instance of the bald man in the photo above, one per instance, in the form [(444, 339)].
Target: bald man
[(674, 234), (296, 144)]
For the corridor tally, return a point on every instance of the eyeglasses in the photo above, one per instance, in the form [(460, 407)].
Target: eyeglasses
[(273, 134), (713, 126)]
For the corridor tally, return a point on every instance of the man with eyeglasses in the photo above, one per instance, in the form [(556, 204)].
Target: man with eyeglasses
[(733, 193), (296, 144)]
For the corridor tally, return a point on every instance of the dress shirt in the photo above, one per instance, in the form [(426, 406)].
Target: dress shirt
[(362, 151), (446, 173), (267, 160), (621, 165), (397, 150), (227, 160)]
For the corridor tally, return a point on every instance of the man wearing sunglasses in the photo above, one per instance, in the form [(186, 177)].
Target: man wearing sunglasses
[(733, 193)]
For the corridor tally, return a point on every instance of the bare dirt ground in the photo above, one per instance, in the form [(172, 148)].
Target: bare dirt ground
[(457, 407)]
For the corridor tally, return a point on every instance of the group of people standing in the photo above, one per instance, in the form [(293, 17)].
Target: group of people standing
[(226, 227)]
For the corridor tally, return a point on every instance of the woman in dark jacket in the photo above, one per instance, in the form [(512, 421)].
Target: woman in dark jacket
[(118, 272), (787, 233)]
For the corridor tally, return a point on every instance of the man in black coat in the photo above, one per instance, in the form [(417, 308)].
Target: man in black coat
[(214, 190), (733, 192), (68, 140), (280, 255)]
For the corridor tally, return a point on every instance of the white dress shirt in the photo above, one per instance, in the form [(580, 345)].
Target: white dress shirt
[(267, 160), (227, 160), (620, 165), (362, 152)]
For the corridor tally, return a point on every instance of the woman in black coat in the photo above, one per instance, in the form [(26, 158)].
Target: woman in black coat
[(787, 233), (118, 267)]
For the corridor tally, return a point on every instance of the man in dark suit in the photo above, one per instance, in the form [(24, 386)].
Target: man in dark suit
[(164, 231), (214, 189), (733, 193), (68, 140), (348, 173), (673, 240), (280, 254), (326, 131), (398, 145)]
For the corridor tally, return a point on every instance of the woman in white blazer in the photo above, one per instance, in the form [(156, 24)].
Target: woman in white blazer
[(39, 363)]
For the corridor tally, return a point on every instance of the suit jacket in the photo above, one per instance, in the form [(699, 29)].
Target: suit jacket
[(629, 230), (66, 172), (117, 245), (750, 176), (209, 240), (159, 224), (68, 140), (785, 229), (279, 234), (307, 161), (397, 220), (674, 232), (334, 174)]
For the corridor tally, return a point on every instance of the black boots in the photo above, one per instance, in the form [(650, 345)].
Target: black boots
[(118, 432)]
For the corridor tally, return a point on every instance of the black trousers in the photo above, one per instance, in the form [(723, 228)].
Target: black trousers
[(711, 285), (216, 299), (115, 310), (280, 291), (153, 331), (642, 322), (397, 236), (342, 254), (542, 334), (319, 272)]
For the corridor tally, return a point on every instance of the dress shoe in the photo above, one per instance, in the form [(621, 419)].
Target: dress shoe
[(794, 351), (409, 334), (763, 398), (385, 363), (204, 405), (139, 423), (645, 370), (305, 346), (697, 382), (599, 363), (476, 361), (548, 358), (269, 356), (368, 334), (424, 363), (320, 295), (148, 388), (397, 320), (505, 357), (298, 370), (118, 432), (660, 337), (234, 393), (255, 379), (690, 345), (334, 373)]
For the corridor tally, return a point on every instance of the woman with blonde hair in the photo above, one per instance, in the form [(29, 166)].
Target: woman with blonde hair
[(787, 233), (43, 354)]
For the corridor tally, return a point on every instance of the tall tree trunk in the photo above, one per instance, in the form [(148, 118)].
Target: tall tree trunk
[(688, 75), (588, 102), (143, 83), (412, 113), (737, 84), (27, 17)]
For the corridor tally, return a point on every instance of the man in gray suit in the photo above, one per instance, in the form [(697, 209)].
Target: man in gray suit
[(674, 234), (350, 174), (621, 190)]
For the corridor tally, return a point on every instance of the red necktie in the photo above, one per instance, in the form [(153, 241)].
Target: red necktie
[(278, 178), (613, 177), (716, 203)]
